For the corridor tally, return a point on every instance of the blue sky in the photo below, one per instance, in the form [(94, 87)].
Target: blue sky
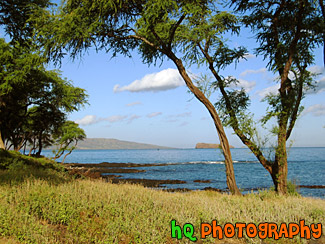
[(130, 101), (134, 102)]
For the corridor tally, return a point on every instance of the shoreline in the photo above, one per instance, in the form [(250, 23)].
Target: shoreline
[(113, 170)]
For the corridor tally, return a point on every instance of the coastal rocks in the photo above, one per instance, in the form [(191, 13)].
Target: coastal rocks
[(105, 170), (208, 146), (202, 181)]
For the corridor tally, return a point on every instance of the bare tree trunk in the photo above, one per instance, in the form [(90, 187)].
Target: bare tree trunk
[(2, 145), (66, 156), (280, 166), (40, 145), (231, 181)]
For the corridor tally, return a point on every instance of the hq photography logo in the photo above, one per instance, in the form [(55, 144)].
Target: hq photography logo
[(262, 230)]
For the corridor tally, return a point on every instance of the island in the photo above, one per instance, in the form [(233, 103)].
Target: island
[(208, 146)]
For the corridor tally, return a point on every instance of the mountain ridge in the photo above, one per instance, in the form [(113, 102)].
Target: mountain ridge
[(111, 143)]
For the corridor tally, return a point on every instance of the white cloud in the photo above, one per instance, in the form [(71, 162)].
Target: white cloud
[(269, 90), (87, 120), (133, 104), (182, 115), (115, 118), (319, 87), (247, 85), (253, 71), (317, 69), (132, 118), (183, 124), (164, 80), (151, 115), (93, 119), (316, 110), (249, 56)]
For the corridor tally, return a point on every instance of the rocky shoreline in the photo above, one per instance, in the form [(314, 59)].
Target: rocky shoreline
[(99, 171)]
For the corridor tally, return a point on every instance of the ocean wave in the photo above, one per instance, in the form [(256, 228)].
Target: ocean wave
[(208, 162)]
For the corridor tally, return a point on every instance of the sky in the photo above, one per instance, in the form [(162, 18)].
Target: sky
[(131, 101)]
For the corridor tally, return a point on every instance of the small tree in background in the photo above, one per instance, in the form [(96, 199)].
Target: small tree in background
[(33, 101), (66, 139)]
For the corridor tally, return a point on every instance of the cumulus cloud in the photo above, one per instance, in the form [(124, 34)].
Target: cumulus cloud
[(247, 85), (155, 114), (87, 120), (316, 110), (269, 90), (133, 104), (253, 71), (161, 81)]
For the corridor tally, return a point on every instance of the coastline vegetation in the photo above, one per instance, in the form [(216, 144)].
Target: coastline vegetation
[(41, 203)]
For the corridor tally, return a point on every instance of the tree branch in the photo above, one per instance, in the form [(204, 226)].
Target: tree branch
[(173, 30), (321, 3), (235, 125), (294, 113)]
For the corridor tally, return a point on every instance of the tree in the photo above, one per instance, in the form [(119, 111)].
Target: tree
[(288, 32), (14, 15), (151, 27), (67, 137), (33, 101)]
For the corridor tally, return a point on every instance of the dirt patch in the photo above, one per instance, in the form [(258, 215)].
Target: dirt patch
[(146, 182)]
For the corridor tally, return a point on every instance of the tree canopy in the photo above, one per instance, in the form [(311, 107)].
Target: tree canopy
[(14, 16), (33, 101)]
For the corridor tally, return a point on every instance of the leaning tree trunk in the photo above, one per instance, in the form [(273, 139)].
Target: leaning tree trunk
[(231, 181)]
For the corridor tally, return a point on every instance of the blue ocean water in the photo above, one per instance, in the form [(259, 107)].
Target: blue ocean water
[(306, 166)]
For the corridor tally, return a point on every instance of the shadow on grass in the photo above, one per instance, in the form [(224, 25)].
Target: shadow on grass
[(16, 177), (15, 168)]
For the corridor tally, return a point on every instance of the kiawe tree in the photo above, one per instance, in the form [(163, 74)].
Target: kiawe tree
[(34, 101), (288, 32), (153, 28), (14, 15), (66, 138)]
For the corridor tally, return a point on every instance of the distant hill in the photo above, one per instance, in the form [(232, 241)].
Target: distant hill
[(208, 145), (103, 143)]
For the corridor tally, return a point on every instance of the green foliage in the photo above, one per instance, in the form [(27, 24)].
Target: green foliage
[(14, 15), (67, 137), (282, 26), (292, 188), (33, 101)]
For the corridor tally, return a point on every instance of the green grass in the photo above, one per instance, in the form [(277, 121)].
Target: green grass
[(59, 209)]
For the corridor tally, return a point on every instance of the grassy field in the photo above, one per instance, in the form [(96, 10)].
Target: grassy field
[(41, 203)]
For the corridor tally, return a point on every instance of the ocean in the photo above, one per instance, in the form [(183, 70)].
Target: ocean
[(306, 166)]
